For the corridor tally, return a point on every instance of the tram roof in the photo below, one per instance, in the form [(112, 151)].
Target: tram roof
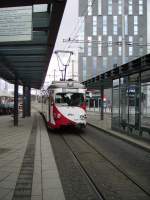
[(27, 61), (66, 84)]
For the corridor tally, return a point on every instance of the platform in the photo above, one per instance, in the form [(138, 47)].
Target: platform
[(93, 118), (37, 172)]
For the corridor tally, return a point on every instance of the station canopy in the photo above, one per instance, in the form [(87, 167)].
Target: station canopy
[(28, 32)]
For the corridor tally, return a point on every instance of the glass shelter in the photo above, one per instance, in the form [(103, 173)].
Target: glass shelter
[(131, 104)]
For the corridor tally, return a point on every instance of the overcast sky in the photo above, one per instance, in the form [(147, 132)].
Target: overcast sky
[(69, 21)]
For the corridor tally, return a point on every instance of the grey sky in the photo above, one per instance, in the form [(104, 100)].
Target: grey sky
[(68, 23)]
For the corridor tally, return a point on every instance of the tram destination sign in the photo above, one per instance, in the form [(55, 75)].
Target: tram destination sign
[(16, 24)]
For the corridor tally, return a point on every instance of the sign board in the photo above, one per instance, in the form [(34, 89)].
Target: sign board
[(16, 24)]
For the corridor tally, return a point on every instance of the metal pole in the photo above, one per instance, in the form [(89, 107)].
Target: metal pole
[(16, 103), (73, 69), (54, 74), (102, 102), (123, 33), (65, 72), (94, 105), (24, 102), (28, 96)]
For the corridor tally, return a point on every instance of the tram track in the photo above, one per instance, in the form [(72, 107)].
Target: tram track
[(93, 185), (108, 180), (118, 168)]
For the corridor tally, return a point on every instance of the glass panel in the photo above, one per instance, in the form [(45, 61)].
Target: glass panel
[(134, 101), (145, 99), (115, 107), (123, 103), (40, 8), (94, 65), (16, 24), (89, 7), (84, 68), (99, 7)]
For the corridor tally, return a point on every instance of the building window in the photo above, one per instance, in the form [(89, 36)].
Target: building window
[(135, 25), (84, 68), (141, 51), (89, 46), (94, 65), (89, 7), (99, 7), (120, 45), (115, 60), (126, 25), (141, 40), (119, 7), (94, 25), (104, 63), (130, 45), (130, 51), (109, 45), (130, 2), (109, 7), (119, 51), (115, 27), (99, 45), (140, 7), (141, 44), (104, 25)]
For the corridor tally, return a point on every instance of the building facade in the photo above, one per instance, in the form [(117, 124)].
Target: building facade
[(113, 32)]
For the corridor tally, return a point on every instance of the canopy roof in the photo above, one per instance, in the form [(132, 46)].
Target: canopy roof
[(27, 61), (138, 65)]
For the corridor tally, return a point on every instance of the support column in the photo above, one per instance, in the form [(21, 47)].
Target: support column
[(16, 103), (102, 102), (24, 102), (28, 99)]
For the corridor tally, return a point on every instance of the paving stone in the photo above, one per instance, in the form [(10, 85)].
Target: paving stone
[(9, 195), (53, 194), (8, 184), (51, 183), (36, 197), (4, 192)]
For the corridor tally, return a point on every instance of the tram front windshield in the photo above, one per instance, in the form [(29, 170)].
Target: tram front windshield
[(69, 99)]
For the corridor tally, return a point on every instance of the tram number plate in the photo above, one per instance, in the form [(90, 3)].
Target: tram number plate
[(69, 90)]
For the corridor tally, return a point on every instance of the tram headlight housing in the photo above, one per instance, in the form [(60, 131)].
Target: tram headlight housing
[(82, 117), (58, 116)]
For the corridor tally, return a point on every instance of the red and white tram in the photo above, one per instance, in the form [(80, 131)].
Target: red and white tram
[(65, 104)]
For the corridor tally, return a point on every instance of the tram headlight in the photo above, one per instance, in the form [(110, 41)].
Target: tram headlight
[(82, 117), (58, 116)]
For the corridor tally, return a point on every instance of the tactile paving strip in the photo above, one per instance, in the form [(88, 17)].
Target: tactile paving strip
[(23, 187)]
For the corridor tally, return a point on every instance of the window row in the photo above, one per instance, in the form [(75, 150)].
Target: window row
[(94, 68), (115, 25), (120, 6), (109, 44)]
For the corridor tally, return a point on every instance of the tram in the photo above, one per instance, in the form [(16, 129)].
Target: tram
[(64, 104)]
